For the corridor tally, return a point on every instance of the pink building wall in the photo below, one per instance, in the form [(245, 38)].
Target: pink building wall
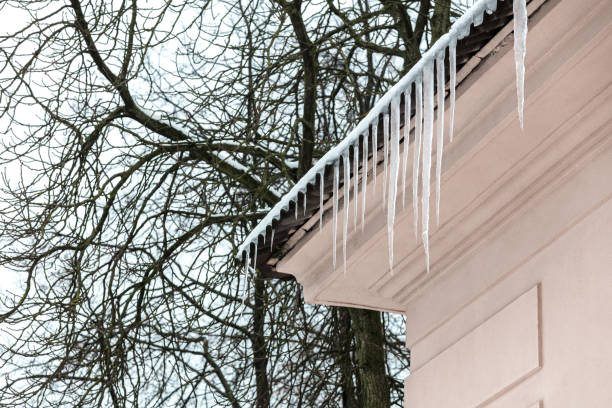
[(517, 308)]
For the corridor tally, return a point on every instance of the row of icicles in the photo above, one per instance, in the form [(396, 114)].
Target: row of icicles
[(423, 145)]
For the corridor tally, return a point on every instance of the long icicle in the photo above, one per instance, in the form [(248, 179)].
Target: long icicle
[(519, 8), (247, 263), (321, 190), (407, 101), (418, 130), (335, 210), (305, 201), (393, 173), (364, 181), (452, 57), (346, 163), (272, 240), (428, 107), (440, 141), (386, 154), (374, 149), (356, 181)]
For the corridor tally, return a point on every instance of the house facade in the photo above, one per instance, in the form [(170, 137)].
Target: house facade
[(516, 308)]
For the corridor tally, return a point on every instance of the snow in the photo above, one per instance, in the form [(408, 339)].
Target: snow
[(407, 101), (440, 141), (421, 74), (292, 164), (520, 49), (428, 114), (393, 174)]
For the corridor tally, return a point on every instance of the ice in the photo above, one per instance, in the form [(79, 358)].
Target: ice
[(296, 208), (520, 49), (386, 154), (346, 163), (393, 174), (321, 190), (374, 150), (247, 262), (407, 101), (255, 257), (335, 193), (423, 130), (364, 182), (356, 179), (335, 210), (452, 57), (440, 142), (272, 240), (305, 202), (418, 130), (245, 290), (428, 107)]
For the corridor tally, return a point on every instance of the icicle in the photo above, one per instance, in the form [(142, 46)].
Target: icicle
[(305, 201), (255, 257), (374, 150), (346, 163), (440, 142), (393, 173), (356, 179), (245, 290), (296, 205), (247, 262), (335, 211), (386, 153), (478, 18), (272, 240), (428, 107), (452, 56), (418, 130), (321, 174), (520, 49), (364, 182), (407, 101)]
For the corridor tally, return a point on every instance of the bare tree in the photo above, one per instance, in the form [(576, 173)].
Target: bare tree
[(141, 141)]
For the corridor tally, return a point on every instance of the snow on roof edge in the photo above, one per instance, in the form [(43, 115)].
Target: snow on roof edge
[(460, 29)]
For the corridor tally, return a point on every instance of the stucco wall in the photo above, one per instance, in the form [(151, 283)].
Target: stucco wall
[(517, 308)]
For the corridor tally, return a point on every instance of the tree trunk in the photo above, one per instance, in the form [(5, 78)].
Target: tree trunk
[(369, 337), (440, 22), (343, 346), (308, 53), (260, 354)]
